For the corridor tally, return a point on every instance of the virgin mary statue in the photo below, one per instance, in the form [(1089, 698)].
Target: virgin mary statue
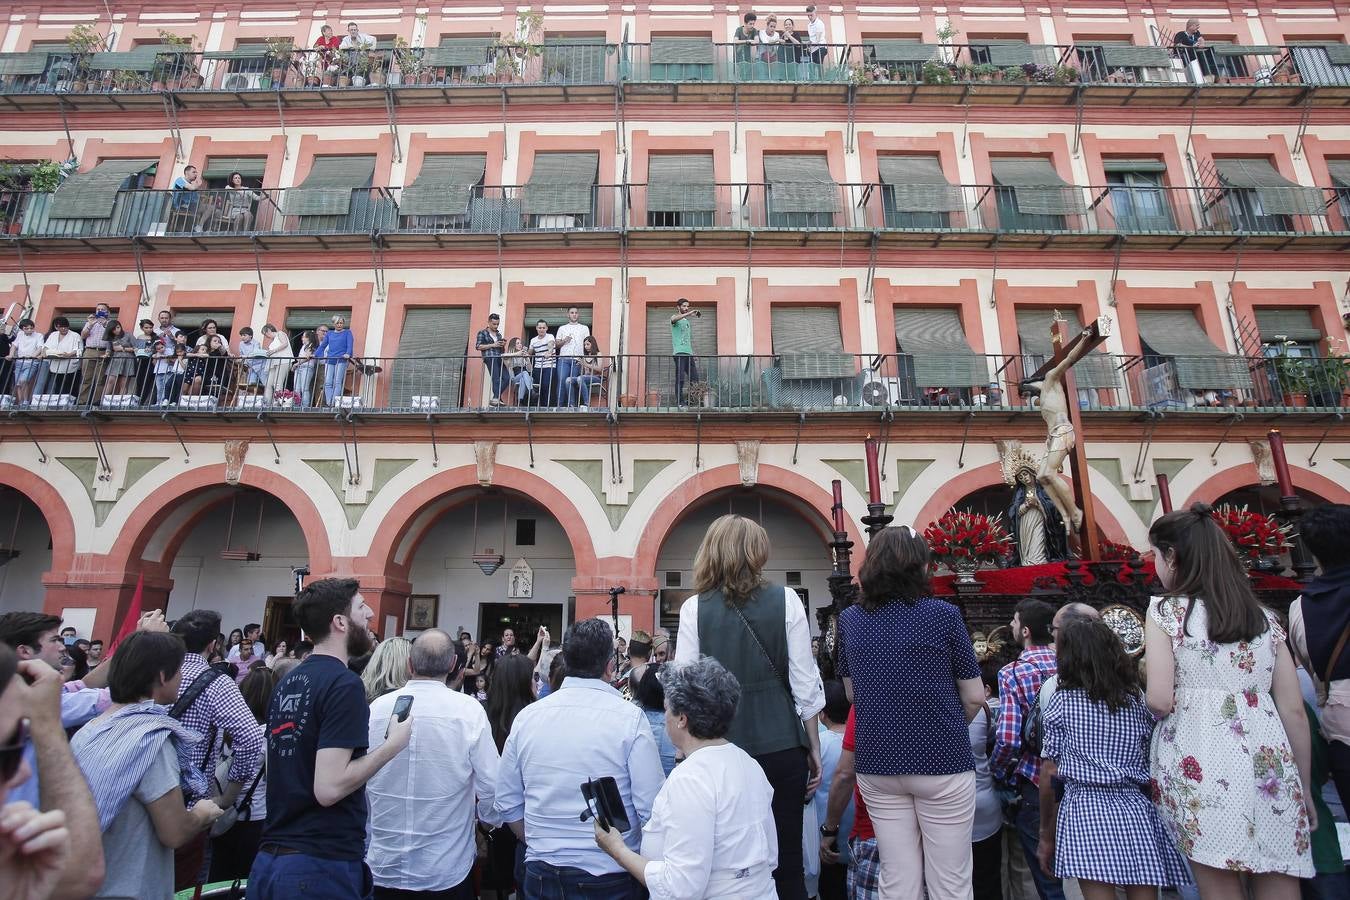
[(1035, 523)]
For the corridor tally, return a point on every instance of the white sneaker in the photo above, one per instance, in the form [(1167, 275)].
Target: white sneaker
[(584, 408), (495, 402)]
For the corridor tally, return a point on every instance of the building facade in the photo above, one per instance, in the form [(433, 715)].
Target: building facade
[(876, 227)]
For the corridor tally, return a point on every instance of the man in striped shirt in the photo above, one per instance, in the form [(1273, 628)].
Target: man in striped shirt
[(1018, 685)]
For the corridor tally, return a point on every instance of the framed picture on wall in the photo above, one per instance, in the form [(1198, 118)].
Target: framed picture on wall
[(422, 612)]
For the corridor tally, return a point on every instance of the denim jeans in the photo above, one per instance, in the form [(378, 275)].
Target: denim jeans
[(547, 380), (686, 370), (335, 372), (584, 383), (568, 368), (1029, 833), (497, 375), (546, 882), (294, 876)]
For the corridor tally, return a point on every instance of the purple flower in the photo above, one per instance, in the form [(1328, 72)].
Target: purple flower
[(1270, 787)]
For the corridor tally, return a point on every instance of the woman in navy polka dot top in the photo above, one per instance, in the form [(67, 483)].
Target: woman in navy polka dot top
[(909, 665)]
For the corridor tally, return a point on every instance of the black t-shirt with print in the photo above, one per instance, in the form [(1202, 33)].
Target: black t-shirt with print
[(321, 704)]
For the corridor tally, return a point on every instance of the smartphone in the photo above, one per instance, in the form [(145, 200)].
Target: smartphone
[(402, 706)]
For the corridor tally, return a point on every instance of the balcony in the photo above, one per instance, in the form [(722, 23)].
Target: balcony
[(469, 71), (909, 384), (711, 215)]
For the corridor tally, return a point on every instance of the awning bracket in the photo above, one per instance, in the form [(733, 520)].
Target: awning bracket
[(965, 436), (529, 436), (257, 267), (42, 455), (187, 457), (136, 250), (993, 281), (171, 114), (104, 467), (1232, 420), (851, 132), (1337, 419), (1146, 445), (65, 123), (887, 417), (435, 456), (736, 118), (1305, 118), (377, 262), (615, 449), (1078, 124), (698, 440), (1119, 243), (506, 141), (801, 423), (874, 241), (391, 109), (351, 450), (281, 120), (749, 267), (267, 426)]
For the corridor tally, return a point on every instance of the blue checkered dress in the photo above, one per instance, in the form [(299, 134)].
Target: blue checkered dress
[(1108, 829)]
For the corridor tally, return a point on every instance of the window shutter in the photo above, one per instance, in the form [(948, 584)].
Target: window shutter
[(1096, 370), (431, 351), (681, 51), (918, 185), (444, 185), (1286, 324), (1199, 363), (250, 167), (313, 318), (809, 342), (33, 62), (578, 60), (1278, 195), (561, 184), (702, 331), (92, 194), (681, 183), (1013, 53), (800, 184), (1128, 56), (458, 51), (934, 338), (899, 51), (327, 190), (1339, 169), (1134, 165), (141, 59), (1037, 188)]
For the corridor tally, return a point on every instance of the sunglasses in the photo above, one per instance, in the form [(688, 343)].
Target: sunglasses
[(11, 755)]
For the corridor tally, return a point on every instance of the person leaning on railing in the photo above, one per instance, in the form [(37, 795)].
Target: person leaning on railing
[(26, 351), (62, 351), (239, 200)]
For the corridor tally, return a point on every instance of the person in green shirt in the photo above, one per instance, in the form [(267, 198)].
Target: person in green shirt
[(682, 347)]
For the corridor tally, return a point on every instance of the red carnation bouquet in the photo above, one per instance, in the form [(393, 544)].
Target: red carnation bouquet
[(967, 535), (1113, 551), (1252, 534)]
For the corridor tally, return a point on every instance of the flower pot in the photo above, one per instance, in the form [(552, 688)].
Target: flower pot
[(358, 81), (377, 77), (265, 82), (965, 569), (1297, 401), (344, 81), (312, 81), (157, 86), (286, 403), (1345, 398)]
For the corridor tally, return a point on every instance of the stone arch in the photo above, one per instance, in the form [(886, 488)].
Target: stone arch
[(53, 506), (1220, 483)]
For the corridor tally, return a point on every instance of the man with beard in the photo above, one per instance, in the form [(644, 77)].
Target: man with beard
[(317, 765)]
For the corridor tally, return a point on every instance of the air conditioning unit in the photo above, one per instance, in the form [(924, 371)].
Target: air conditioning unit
[(244, 81), (1165, 74), (880, 391)]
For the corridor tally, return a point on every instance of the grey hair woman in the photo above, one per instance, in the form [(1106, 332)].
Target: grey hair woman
[(711, 832)]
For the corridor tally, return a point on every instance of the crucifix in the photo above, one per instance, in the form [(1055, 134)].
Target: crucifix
[(1053, 382)]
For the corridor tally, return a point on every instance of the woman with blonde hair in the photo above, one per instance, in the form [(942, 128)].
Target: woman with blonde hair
[(388, 668), (759, 632)]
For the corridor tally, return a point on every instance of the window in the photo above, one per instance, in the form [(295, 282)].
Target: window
[(561, 191), (1288, 332), (1138, 198), (1257, 197), (681, 192), (673, 579), (800, 192), (430, 360), (1030, 195), (525, 532), (915, 193)]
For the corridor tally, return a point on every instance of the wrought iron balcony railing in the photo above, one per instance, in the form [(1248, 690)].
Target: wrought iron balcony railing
[(1015, 72), (1205, 218), (932, 381)]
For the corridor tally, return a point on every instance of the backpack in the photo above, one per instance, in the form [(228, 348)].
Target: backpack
[(1032, 727)]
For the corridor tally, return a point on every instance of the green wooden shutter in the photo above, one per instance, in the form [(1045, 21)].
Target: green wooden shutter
[(1199, 363), (702, 331), (313, 318), (1129, 56), (900, 51), (252, 50), (918, 185), (444, 185), (1339, 54), (33, 62), (1012, 53), (1339, 169), (1286, 324), (681, 183), (1096, 370), (809, 343), (92, 194), (682, 50), (1278, 195), (1037, 187), (561, 184), (578, 60), (327, 190), (248, 166), (431, 356), (800, 184), (141, 59), (458, 51), (934, 338)]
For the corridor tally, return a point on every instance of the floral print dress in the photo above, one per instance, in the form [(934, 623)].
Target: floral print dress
[(1223, 772)]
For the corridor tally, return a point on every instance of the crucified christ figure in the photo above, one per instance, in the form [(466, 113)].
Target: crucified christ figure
[(1059, 442)]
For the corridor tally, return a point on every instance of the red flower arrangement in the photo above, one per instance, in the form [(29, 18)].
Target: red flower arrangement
[(1116, 552), (1252, 534), (967, 536)]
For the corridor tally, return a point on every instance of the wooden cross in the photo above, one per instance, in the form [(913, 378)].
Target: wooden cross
[(1094, 335)]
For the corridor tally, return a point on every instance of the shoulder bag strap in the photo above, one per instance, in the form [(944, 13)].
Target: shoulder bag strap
[(245, 805), (189, 697), (1324, 689)]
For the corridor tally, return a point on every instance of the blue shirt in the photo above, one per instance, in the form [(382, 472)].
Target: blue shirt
[(583, 730), (336, 344), (184, 197), (905, 660), (831, 747), (77, 708), (656, 721)]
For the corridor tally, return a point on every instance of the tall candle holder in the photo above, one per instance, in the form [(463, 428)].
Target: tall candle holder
[(876, 519), (844, 591), (1291, 509)]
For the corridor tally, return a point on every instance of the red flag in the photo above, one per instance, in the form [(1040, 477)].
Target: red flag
[(132, 617)]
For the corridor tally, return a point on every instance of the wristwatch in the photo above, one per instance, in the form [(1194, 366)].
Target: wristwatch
[(826, 831)]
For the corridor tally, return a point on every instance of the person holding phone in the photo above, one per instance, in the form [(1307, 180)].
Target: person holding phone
[(711, 832), (682, 347)]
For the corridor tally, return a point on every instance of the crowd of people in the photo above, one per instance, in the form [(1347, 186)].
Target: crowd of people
[(935, 764)]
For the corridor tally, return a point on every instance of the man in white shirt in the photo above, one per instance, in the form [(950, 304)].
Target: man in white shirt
[(544, 352), (356, 39), (422, 804), (571, 340), (815, 33), (585, 730)]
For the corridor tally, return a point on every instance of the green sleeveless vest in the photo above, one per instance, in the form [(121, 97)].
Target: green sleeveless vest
[(766, 718)]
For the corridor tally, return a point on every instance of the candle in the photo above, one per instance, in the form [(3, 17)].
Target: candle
[(1281, 463), (838, 505), (1164, 494), (873, 471)]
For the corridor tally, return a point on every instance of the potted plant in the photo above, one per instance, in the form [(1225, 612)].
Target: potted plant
[(513, 52), (1330, 376), (937, 73), (1291, 374), (945, 35), (964, 540), (1066, 74), (985, 72), (279, 51), (408, 61), (360, 70), (1252, 535), (175, 65), (82, 41), (699, 393), (1014, 73)]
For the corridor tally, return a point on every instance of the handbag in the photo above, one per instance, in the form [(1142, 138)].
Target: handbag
[(245, 802), (779, 674)]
